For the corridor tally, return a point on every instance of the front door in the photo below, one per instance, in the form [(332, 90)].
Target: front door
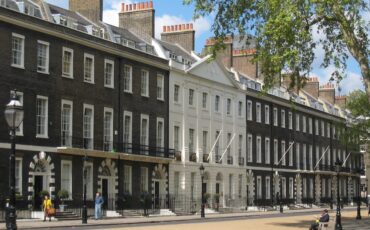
[(217, 188), (37, 188), (156, 195), (105, 193)]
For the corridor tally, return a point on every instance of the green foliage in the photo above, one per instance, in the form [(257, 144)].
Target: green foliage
[(358, 104), (286, 37), (63, 194), (44, 193)]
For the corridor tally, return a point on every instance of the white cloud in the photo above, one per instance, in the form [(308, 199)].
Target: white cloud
[(60, 3), (201, 25), (111, 10)]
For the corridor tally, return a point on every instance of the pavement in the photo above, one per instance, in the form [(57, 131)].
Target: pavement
[(290, 219)]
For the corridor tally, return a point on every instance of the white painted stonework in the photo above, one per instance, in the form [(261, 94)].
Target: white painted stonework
[(211, 78)]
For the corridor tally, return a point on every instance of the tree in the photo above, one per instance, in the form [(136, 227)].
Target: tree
[(284, 31)]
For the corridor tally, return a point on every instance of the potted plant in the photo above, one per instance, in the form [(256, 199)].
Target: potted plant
[(44, 193), (62, 195)]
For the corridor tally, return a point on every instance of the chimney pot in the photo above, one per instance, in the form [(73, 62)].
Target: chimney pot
[(151, 5), (164, 28), (122, 7), (176, 28), (191, 26), (130, 6)]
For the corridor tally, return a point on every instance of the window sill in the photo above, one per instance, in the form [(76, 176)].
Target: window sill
[(127, 91), (90, 82), (160, 99), (147, 96), (42, 137), (19, 134), (66, 76), (17, 66), (109, 86), (42, 72)]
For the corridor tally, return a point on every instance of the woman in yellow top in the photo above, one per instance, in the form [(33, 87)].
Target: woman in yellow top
[(46, 205)]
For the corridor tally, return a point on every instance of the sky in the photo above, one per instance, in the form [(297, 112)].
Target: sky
[(173, 12)]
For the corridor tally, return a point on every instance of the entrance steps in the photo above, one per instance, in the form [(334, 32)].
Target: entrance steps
[(112, 213), (66, 215), (131, 213), (164, 212)]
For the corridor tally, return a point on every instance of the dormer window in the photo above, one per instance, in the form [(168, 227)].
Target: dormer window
[(3, 3)]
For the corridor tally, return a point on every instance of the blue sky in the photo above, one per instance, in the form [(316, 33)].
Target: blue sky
[(171, 12)]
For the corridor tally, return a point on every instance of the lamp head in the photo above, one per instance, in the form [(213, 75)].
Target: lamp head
[(14, 112)]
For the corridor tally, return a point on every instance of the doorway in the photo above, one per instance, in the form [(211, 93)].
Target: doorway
[(104, 193), (37, 188), (156, 195)]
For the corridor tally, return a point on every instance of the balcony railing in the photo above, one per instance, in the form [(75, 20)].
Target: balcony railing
[(192, 157), (230, 160), (205, 158), (241, 161), (218, 159), (132, 148)]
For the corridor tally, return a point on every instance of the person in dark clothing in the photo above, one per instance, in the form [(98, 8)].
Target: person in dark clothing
[(324, 219)]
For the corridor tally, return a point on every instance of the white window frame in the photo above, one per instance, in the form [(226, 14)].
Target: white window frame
[(92, 80), (297, 154), (110, 62), (46, 121), (89, 183), (258, 112), (20, 95), (259, 187), (69, 189), (127, 114), (229, 107), (240, 109), (304, 124), (310, 125), (317, 127), (217, 103), (267, 186), (161, 78), (65, 74), (283, 189), (258, 149), (328, 130), (20, 174), (291, 154), (304, 156), (109, 110), (191, 97), (250, 147), (47, 44), (177, 143), (323, 128), (205, 100), (144, 179), (267, 150), (21, 65), (160, 120), (283, 118), (310, 156), (267, 114), (127, 178), (88, 106), (283, 149), (291, 188), (176, 95), (144, 89), (276, 151), (290, 120), (249, 110), (297, 123), (70, 103), (127, 88), (275, 118), (142, 117)]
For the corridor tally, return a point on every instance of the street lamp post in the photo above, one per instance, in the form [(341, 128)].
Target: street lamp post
[(84, 207), (338, 222), (14, 114), (202, 212), (358, 217)]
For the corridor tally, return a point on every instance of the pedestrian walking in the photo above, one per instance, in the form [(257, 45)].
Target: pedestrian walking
[(99, 201), (46, 206)]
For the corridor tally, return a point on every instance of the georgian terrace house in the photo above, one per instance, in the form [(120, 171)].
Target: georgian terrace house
[(88, 89)]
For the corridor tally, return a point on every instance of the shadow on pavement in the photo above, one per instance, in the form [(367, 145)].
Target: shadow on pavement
[(300, 224)]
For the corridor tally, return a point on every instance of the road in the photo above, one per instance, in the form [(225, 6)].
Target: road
[(259, 222)]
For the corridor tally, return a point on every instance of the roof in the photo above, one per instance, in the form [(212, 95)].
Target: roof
[(176, 49)]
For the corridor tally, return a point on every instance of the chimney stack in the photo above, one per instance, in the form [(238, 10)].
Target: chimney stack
[(341, 101), (183, 34), (312, 87), (225, 56), (91, 9), (327, 92), (138, 18)]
